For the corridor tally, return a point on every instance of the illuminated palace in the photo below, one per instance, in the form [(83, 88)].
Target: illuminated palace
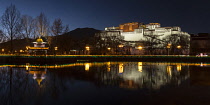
[(133, 33), (39, 47)]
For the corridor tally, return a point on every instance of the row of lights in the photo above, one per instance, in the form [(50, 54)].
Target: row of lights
[(169, 46), (88, 48)]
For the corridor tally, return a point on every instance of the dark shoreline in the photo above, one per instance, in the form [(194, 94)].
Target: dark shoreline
[(50, 59)]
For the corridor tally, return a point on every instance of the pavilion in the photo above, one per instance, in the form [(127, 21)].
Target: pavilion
[(39, 48)]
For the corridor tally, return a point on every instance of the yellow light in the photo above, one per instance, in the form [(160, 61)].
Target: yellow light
[(140, 66), (169, 70), (27, 66), (87, 66), (56, 48), (139, 47), (121, 68), (179, 47), (2, 50), (120, 46), (108, 66), (179, 67), (87, 48), (169, 45), (27, 47), (44, 48), (109, 48)]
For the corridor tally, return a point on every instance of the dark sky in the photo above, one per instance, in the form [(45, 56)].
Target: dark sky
[(193, 16)]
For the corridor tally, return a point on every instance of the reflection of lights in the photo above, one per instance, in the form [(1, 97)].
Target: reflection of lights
[(87, 66), (179, 67), (201, 64), (140, 66), (27, 66), (108, 66), (34, 77), (169, 70), (43, 77), (121, 68)]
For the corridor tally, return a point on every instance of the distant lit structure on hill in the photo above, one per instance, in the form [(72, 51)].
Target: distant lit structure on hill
[(135, 34), (200, 44), (39, 47), (136, 31)]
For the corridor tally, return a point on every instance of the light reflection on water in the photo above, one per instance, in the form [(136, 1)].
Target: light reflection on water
[(95, 82)]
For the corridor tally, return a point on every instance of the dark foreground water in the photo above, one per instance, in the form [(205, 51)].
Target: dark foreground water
[(106, 83)]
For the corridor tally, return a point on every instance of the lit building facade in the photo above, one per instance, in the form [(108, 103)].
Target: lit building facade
[(136, 31), (39, 47), (135, 34)]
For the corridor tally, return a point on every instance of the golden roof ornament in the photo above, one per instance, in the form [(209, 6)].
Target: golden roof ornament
[(39, 40)]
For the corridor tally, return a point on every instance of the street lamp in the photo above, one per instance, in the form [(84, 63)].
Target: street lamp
[(121, 47), (168, 47), (87, 49), (178, 48), (140, 47), (55, 48)]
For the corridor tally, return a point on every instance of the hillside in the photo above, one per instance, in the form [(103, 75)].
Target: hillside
[(75, 39)]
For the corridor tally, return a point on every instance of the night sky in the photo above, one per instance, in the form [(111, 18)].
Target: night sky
[(193, 16)]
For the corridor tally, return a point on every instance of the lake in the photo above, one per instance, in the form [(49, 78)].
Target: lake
[(106, 83)]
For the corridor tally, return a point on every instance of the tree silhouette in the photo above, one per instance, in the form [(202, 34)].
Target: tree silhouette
[(10, 21)]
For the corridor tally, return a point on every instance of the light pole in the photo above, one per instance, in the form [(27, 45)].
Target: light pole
[(121, 46), (56, 48), (2, 50), (168, 47), (87, 50), (178, 49), (109, 49), (140, 48)]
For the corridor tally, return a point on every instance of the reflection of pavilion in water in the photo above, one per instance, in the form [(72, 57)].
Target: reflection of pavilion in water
[(38, 73), (141, 74)]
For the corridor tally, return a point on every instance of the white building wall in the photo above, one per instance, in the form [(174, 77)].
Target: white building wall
[(136, 35), (150, 29)]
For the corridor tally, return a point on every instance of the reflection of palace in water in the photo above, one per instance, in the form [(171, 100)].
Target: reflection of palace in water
[(144, 74), (125, 74)]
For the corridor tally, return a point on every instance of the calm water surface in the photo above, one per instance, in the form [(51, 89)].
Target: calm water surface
[(106, 83)]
